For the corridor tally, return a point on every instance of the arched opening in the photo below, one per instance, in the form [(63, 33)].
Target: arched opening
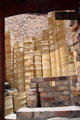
[(10, 9)]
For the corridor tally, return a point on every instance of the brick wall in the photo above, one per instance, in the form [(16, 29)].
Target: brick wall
[(51, 91)]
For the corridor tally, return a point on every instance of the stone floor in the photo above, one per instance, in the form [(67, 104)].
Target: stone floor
[(13, 116), (64, 119), (50, 109)]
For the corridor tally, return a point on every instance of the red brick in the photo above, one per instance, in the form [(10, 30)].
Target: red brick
[(63, 98), (44, 84), (73, 77), (43, 94), (49, 79), (32, 92), (41, 90), (63, 114), (33, 85), (48, 99), (33, 97), (62, 88)]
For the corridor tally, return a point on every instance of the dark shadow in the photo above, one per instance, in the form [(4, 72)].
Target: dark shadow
[(38, 97)]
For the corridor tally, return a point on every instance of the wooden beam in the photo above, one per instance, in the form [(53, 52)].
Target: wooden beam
[(2, 58)]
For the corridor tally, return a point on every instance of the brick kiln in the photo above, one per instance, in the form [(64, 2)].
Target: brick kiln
[(44, 69)]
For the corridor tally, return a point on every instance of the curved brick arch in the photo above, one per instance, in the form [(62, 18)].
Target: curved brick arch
[(15, 7)]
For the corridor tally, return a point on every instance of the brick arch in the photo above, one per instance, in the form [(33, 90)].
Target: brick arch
[(15, 7)]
